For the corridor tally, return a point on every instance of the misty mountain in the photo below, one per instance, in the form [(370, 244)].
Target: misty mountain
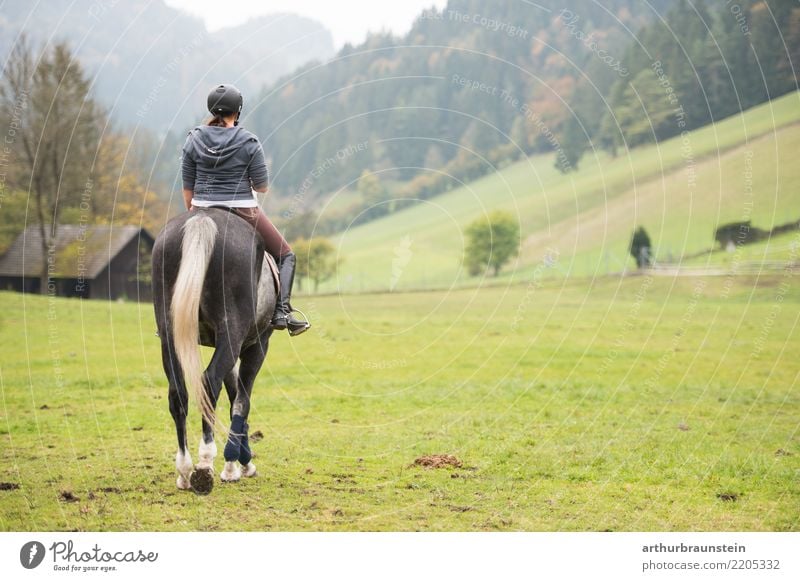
[(152, 65)]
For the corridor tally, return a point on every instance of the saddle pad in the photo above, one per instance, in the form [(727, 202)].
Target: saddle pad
[(276, 276)]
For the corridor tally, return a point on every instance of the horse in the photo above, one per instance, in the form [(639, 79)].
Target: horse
[(212, 285)]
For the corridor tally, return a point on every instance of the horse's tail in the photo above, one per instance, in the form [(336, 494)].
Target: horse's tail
[(199, 236)]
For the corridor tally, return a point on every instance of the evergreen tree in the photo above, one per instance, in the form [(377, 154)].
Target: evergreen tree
[(767, 22), (573, 144), (373, 195), (719, 63), (790, 65), (646, 112), (640, 248)]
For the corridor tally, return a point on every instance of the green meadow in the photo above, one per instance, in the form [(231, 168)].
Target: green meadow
[(623, 404)]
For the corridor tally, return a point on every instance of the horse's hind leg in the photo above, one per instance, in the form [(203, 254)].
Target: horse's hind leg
[(208, 446), (208, 449), (178, 400), (238, 446), (221, 365), (231, 383)]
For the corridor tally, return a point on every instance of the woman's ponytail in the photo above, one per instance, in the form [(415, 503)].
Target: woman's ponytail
[(216, 121)]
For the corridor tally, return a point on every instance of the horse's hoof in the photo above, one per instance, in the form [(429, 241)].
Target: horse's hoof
[(249, 470), (183, 483), (202, 481), (231, 472)]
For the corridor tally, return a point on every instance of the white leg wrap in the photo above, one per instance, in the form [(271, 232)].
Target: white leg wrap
[(207, 453), (249, 471), (231, 472), (183, 463)]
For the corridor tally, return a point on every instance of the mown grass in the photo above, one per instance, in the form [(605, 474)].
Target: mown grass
[(606, 404), (680, 190)]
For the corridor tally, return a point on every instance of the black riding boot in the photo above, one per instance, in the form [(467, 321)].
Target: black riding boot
[(283, 319)]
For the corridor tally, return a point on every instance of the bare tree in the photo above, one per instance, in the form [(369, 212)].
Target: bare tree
[(56, 130)]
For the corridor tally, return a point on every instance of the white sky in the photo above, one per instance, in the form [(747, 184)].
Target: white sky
[(348, 20)]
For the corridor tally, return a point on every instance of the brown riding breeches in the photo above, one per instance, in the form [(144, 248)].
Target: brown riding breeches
[(274, 242)]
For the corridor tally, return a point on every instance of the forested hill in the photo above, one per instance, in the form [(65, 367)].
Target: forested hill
[(413, 100), (480, 84), (152, 65)]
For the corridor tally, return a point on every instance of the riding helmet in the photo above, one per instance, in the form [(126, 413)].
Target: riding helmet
[(225, 100)]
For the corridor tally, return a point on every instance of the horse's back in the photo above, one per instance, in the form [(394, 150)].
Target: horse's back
[(230, 296)]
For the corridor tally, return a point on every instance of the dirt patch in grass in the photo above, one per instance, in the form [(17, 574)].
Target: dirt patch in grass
[(438, 461), (68, 496), (202, 481), (9, 486), (728, 496), (454, 508), (256, 436)]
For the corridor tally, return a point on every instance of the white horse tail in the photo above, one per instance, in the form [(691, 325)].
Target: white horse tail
[(199, 236)]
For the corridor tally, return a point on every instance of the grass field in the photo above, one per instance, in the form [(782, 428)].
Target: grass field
[(739, 168), (609, 404)]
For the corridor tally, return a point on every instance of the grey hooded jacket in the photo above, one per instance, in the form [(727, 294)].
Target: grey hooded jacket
[(222, 164)]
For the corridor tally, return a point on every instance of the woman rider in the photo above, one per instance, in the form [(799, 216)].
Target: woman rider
[(223, 165)]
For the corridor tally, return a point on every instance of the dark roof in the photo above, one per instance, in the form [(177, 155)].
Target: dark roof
[(80, 251)]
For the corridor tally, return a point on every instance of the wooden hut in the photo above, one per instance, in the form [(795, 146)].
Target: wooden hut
[(93, 262)]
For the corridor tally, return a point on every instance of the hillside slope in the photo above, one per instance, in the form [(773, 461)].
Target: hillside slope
[(580, 224)]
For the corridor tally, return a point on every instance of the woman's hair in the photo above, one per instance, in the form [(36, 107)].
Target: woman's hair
[(216, 121)]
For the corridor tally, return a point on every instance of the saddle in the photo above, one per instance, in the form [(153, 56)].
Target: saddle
[(273, 266)]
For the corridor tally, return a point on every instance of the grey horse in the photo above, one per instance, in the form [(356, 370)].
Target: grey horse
[(212, 285)]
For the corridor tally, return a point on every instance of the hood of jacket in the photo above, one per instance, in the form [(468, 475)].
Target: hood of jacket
[(214, 145)]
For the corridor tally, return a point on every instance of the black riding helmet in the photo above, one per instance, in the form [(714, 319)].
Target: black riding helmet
[(225, 100)]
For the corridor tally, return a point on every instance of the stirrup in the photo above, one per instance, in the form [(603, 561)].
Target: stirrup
[(306, 324)]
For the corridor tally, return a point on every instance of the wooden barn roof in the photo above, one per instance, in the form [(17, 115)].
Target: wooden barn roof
[(80, 250)]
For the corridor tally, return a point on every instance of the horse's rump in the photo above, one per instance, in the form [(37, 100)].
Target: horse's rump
[(234, 276)]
